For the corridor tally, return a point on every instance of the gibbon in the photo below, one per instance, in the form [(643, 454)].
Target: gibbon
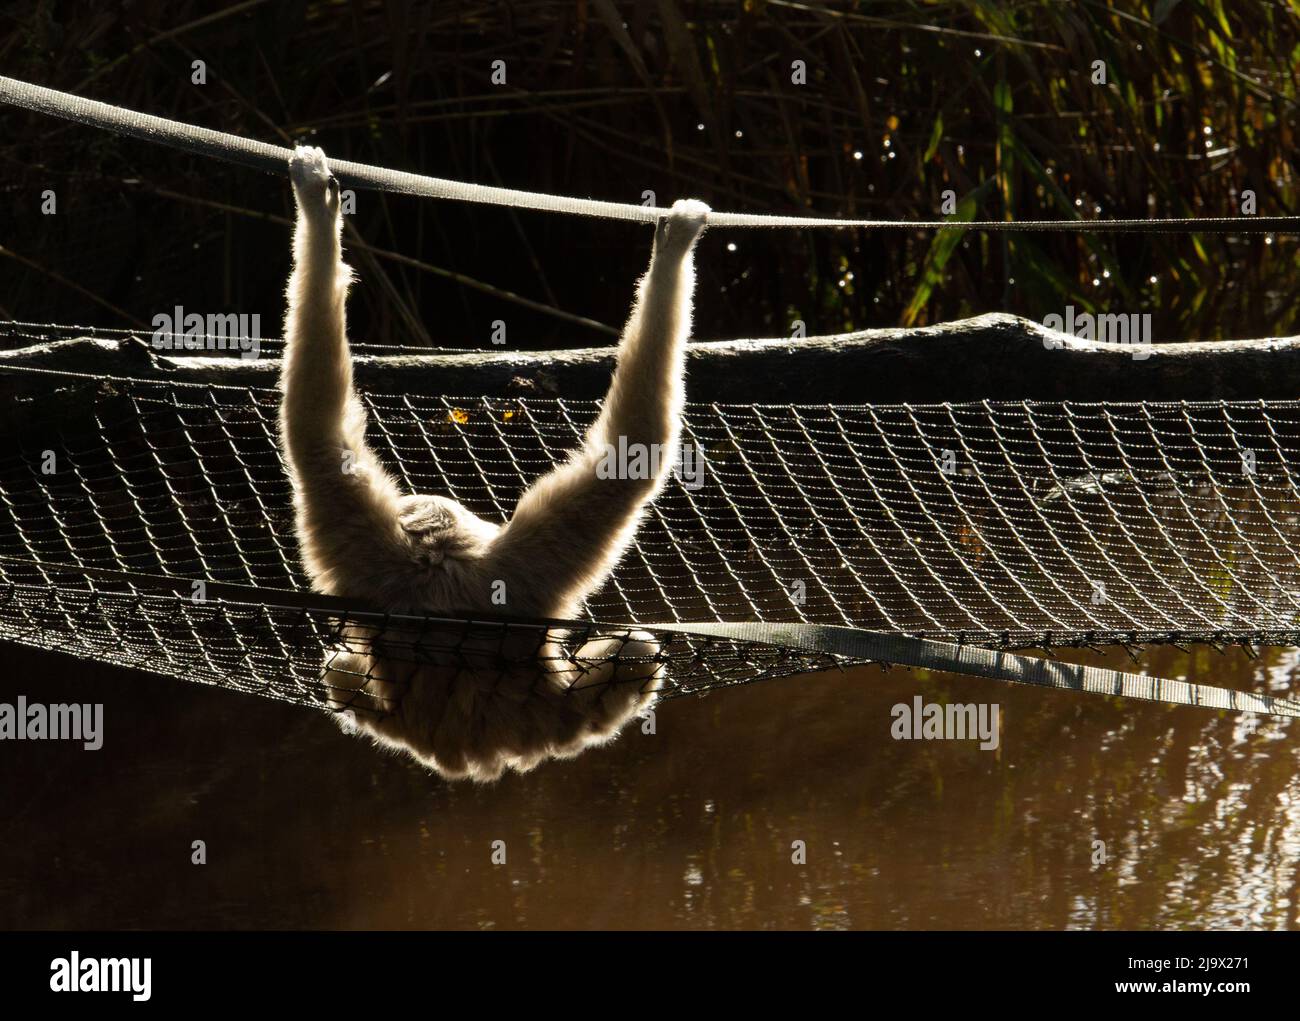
[(360, 537)]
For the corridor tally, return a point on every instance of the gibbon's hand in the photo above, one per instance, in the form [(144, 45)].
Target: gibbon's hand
[(314, 187), (680, 229)]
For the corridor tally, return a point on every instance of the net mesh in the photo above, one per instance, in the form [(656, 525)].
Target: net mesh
[(1004, 524)]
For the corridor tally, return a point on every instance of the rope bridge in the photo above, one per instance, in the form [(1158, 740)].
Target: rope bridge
[(939, 535), (148, 524)]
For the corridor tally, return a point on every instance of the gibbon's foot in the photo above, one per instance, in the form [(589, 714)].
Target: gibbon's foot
[(614, 678), (315, 188), (684, 223)]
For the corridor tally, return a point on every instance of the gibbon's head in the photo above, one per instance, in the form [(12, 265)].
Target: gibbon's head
[(440, 528)]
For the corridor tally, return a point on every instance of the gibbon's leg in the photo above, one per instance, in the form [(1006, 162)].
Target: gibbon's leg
[(346, 504), (572, 526)]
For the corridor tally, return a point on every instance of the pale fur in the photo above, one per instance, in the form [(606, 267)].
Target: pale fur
[(465, 712)]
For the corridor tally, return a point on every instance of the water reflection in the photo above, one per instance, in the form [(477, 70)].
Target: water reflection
[(690, 827)]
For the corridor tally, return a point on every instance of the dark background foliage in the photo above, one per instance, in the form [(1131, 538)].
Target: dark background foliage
[(903, 100)]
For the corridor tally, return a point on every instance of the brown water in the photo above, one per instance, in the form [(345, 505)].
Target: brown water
[(689, 827)]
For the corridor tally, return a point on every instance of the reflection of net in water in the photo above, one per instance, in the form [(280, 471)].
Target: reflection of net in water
[(1008, 524)]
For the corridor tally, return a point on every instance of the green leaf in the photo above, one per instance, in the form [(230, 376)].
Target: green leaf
[(936, 136), (941, 249)]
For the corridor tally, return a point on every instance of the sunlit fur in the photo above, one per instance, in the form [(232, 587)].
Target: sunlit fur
[(361, 537)]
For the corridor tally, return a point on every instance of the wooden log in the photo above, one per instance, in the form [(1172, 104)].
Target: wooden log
[(992, 356)]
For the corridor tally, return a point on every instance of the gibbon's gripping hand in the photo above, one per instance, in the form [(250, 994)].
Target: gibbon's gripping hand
[(677, 232), (314, 187)]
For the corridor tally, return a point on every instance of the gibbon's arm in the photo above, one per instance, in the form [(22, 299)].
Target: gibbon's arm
[(572, 526), (346, 503)]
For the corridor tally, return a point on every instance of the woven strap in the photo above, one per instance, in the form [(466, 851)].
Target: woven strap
[(981, 662)]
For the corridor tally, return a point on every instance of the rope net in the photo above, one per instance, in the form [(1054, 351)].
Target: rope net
[(1007, 525)]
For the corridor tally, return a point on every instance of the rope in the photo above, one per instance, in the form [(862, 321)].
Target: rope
[(819, 639), (275, 159)]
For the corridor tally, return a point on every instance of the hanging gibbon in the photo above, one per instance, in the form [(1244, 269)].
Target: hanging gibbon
[(361, 537)]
